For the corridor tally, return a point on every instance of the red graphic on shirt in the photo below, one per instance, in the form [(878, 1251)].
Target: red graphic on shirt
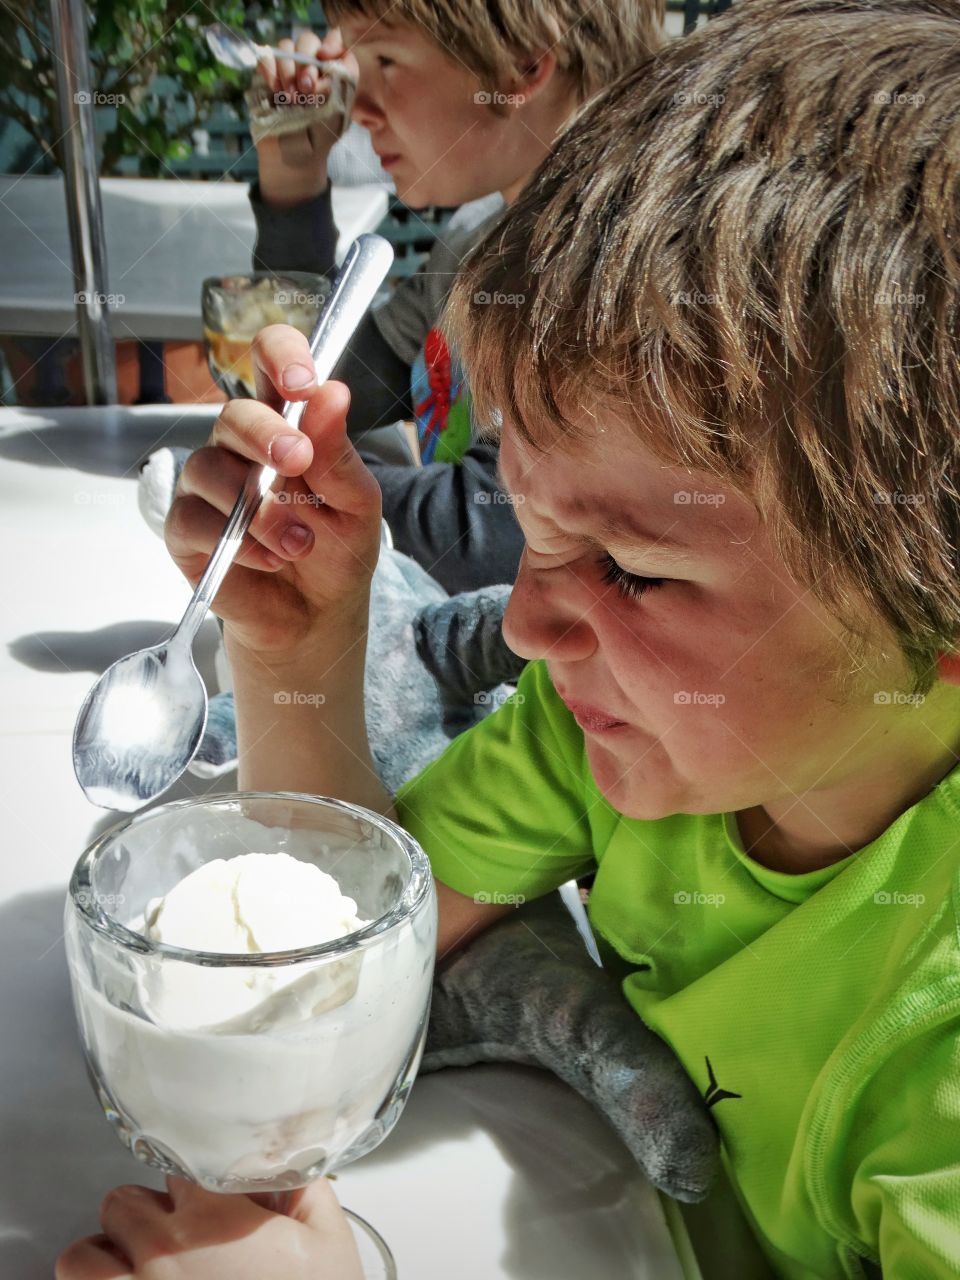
[(432, 411)]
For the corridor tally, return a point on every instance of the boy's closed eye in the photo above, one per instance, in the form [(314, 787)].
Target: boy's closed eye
[(629, 585)]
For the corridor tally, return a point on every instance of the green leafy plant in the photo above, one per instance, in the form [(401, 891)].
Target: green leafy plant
[(153, 77)]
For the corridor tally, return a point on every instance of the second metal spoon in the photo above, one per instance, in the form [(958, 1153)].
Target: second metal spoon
[(232, 49)]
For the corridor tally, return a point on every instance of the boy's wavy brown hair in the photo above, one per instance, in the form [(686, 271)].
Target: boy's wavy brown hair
[(594, 40), (750, 246)]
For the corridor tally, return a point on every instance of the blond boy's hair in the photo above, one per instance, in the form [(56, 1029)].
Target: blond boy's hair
[(750, 248), (593, 42)]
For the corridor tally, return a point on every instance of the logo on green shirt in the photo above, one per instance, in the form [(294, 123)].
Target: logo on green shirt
[(714, 1093)]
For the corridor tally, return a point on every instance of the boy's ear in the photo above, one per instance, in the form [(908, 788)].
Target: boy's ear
[(948, 667), (534, 73)]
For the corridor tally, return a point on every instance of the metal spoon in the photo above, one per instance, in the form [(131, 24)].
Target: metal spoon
[(142, 722), (232, 49)]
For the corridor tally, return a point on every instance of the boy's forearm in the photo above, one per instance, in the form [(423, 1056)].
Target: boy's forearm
[(301, 725), (281, 189)]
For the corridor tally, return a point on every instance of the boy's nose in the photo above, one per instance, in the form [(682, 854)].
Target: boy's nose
[(541, 622), (365, 111)]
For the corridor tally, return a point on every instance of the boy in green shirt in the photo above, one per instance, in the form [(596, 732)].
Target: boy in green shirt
[(729, 405)]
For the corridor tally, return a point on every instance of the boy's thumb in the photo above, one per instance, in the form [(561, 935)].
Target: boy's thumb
[(315, 1204), (302, 1203)]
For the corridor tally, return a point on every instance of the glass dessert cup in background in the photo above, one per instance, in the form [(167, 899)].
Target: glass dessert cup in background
[(253, 1072), (236, 308)]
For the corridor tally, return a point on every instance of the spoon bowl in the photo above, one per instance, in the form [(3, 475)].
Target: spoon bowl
[(143, 717)]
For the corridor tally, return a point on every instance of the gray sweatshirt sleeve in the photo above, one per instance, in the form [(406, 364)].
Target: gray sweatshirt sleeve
[(449, 520), (302, 237)]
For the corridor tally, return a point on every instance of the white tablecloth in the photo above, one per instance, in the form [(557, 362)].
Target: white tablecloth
[(491, 1172), (163, 239)]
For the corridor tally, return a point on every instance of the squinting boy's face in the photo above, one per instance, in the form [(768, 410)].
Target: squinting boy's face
[(440, 145), (721, 689)]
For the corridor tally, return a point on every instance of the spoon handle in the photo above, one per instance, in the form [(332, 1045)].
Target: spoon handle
[(364, 270), (305, 59)]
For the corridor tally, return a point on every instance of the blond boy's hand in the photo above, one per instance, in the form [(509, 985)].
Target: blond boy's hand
[(293, 167), (191, 1234), (313, 547)]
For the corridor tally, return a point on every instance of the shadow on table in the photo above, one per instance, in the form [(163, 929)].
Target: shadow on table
[(94, 651), (106, 441), (538, 1125)]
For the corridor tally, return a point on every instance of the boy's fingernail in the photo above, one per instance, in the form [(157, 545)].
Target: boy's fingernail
[(295, 538), (283, 447), (306, 81), (298, 375)]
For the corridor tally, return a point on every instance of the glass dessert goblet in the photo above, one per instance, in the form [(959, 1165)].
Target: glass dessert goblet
[(252, 1072)]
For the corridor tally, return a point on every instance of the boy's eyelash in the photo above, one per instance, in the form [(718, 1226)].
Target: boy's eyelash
[(384, 61), (630, 585)]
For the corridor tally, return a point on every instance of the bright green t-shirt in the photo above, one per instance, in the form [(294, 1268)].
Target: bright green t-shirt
[(818, 1014)]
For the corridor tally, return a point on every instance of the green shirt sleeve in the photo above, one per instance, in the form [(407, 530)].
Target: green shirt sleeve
[(906, 1180), (503, 812)]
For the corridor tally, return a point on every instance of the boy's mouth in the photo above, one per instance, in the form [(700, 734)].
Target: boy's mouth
[(387, 160), (592, 719)]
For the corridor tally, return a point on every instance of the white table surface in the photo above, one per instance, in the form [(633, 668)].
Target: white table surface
[(491, 1172), (163, 238)]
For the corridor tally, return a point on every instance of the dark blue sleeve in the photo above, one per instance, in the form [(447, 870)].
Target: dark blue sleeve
[(451, 518), (302, 237)]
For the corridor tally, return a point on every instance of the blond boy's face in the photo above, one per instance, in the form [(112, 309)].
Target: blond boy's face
[(427, 117), (724, 688)]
